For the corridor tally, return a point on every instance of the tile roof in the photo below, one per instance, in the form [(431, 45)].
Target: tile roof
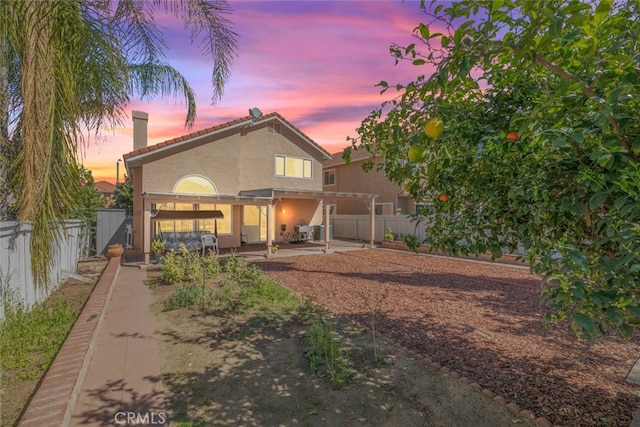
[(105, 186), (220, 127)]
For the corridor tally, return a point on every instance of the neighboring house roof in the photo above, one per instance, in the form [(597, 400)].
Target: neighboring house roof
[(242, 122), (105, 187)]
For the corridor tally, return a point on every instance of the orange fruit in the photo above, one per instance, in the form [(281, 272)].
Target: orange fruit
[(416, 153), (443, 198), (513, 136), (434, 128)]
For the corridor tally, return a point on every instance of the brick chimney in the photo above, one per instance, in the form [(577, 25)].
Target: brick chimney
[(140, 121)]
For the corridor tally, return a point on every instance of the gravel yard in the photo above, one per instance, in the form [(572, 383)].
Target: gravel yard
[(480, 320)]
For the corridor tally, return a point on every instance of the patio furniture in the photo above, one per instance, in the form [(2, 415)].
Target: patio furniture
[(304, 232), (209, 241)]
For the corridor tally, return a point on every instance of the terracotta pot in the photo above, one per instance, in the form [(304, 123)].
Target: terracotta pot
[(115, 250)]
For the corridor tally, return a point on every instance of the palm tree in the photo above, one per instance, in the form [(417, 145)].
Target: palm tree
[(68, 68)]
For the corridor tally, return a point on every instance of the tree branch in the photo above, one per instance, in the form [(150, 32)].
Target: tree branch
[(591, 93)]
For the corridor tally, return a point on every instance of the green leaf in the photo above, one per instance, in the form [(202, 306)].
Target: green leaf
[(615, 315), (496, 5), (602, 11), (424, 31), (465, 67), (555, 28), (578, 291), (588, 326), (579, 259), (598, 200), (578, 137), (626, 331), (578, 208), (620, 202), (559, 141)]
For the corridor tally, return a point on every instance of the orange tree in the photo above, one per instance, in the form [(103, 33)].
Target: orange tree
[(564, 76)]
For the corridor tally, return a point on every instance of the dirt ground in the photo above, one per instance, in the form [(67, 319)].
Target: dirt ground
[(480, 320), (251, 371)]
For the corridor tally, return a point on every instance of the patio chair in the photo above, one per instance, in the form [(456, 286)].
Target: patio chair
[(209, 241)]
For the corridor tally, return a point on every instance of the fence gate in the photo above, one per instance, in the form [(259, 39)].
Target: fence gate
[(111, 228)]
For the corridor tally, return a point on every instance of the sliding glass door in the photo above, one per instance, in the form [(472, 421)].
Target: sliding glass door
[(254, 224)]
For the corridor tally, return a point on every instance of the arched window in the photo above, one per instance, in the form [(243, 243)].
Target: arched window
[(197, 184)]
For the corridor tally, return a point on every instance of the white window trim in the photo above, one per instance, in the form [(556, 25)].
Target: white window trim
[(285, 157), (323, 177), (195, 175)]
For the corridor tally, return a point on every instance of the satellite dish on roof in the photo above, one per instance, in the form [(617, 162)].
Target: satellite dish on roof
[(255, 113)]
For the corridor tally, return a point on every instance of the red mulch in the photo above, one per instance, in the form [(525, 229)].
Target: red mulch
[(481, 320)]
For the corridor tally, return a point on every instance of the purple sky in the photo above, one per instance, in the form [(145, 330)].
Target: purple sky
[(314, 62)]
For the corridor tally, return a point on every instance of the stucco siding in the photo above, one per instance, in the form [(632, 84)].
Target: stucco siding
[(352, 178), (235, 163)]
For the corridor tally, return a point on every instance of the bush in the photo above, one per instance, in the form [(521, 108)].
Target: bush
[(188, 267), (187, 295), (246, 287), (324, 350)]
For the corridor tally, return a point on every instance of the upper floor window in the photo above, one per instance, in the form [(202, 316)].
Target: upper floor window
[(293, 167), (330, 177), (194, 184), (384, 209)]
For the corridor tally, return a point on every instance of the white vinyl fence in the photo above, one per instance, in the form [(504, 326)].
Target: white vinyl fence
[(356, 227), (15, 261)]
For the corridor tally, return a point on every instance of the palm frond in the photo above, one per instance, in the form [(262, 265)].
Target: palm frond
[(207, 22), (67, 67), (148, 80)]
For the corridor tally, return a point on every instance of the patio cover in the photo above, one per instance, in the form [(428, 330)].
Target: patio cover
[(259, 197), (186, 215)]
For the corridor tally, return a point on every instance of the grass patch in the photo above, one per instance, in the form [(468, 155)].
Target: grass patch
[(188, 295), (29, 341), (231, 285)]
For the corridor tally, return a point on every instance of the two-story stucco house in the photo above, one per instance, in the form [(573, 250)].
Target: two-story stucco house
[(250, 180), (340, 176)]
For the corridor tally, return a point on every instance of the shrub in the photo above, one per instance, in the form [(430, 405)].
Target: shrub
[(187, 295), (324, 350), (188, 267)]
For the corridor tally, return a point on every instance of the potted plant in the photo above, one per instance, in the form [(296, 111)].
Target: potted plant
[(115, 250), (388, 235), (158, 247)]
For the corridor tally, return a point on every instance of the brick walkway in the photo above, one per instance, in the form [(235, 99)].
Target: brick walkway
[(108, 370), (55, 398)]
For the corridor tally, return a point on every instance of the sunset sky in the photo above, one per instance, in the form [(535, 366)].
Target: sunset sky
[(314, 62)]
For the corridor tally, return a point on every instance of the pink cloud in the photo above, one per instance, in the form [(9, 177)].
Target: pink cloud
[(316, 63)]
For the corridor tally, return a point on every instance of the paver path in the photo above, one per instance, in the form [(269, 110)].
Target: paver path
[(124, 384)]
